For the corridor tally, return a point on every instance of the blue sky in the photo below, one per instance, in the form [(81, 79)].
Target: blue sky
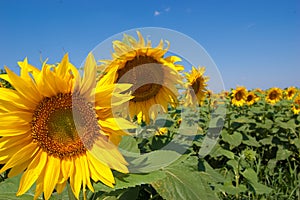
[(254, 43)]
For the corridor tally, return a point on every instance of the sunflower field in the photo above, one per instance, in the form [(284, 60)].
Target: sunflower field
[(139, 127)]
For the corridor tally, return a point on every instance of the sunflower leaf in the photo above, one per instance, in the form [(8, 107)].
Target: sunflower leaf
[(153, 161), (9, 188), (184, 181), (130, 180)]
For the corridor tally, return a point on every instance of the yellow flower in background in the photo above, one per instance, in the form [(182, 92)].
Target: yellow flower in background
[(296, 105), (239, 96), (154, 77), (197, 83), (251, 98), (274, 95), (290, 93), (57, 127), (161, 131), (259, 91)]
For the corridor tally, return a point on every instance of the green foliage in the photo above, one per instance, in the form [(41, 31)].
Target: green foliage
[(256, 156), (4, 83)]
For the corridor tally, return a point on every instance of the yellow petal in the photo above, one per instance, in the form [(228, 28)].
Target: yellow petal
[(100, 171), (89, 76), (60, 187), (76, 181), (33, 172), (25, 88), (24, 154), (51, 175), (109, 154)]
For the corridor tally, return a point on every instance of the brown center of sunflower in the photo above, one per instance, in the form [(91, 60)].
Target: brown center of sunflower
[(273, 95), (64, 125), (250, 97), (291, 93), (146, 74), (239, 95), (197, 84)]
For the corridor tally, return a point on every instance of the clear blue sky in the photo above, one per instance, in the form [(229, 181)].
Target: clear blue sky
[(255, 43)]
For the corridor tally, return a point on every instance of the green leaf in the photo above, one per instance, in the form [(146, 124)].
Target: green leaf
[(267, 141), (283, 154), (130, 180), (153, 161), (234, 164), (230, 189), (9, 188), (297, 142), (184, 181), (251, 141), (213, 174), (272, 164), (129, 146), (251, 176), (207, 146), (218, 151), (234, 139), (130, 193)]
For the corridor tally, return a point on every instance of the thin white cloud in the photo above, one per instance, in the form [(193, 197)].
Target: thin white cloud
[(159, 12), (156, 13), (251, 25)]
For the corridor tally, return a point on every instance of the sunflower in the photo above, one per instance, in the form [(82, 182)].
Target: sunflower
[(162, 131), (153, 76), (57, 127), (251, 98), (239, 96), (274, 95), (296, 105), (259, 91), (197, 84), (290, 93)]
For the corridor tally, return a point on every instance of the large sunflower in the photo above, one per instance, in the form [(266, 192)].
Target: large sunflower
[(154, 77), (251, 98), (197, 85), (239, 96), (296, 105), (290, 93), (274, 95), (57, 127)]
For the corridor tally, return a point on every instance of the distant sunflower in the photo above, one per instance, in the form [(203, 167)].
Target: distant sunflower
[(239, 96), (259, 91), (162, 131), (251, 98), (58, 128), (154, 77), (290, 93), (197, 83), (296, 105), (274, 95)]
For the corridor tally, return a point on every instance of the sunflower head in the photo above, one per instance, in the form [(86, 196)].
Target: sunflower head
[(274, 95), (290, 93), (296, 105), (239, 96), (153, 75), (259, 91), (197, 84), (57, 127), (162, 131), (251, 98)]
